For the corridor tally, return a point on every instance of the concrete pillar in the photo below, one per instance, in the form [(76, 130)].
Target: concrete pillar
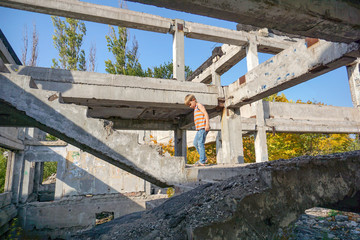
[(27, 183), (231, 135), (17, 176), (261, 151), (180, 143), (219, 153), (9, 171), (37, 177), (354, 82), (178, 50)]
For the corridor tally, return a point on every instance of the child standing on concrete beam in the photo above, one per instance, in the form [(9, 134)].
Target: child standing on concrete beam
[(201, 120)]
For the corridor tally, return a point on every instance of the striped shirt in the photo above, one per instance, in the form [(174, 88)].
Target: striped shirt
[(199, 118)]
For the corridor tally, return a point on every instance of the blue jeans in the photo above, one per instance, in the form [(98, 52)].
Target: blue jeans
[(199, 143)]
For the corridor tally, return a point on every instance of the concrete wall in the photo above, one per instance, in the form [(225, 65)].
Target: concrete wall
[(80, 173), (62, 218), (7, 212)]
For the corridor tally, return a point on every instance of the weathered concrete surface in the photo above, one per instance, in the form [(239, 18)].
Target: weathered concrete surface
[(64, 217), (273, 195), (34, 107), (80, 173), (127, 18), (334, 20), (9, 138), (7, 211), (302, 61)]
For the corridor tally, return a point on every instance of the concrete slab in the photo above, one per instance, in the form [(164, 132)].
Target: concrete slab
[(296, 17), (69, 123)]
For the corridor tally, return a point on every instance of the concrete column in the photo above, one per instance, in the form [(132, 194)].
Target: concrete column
[(219, 153), (180, 143), (37, 177), (27, 183), (231, 135), (354, 82), (9, 171), (261, 151), (178, 50), (17, 176)]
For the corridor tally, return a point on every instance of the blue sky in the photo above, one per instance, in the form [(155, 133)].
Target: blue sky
[(156, 48)]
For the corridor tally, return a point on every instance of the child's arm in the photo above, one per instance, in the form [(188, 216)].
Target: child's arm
[(203, 110)]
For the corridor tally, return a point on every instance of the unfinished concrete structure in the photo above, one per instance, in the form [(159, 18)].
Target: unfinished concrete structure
[(86, 109)]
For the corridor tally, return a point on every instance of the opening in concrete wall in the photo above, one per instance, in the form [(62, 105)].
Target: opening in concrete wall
[(331, 88), (46, 191), (5, 154), (104, 217)]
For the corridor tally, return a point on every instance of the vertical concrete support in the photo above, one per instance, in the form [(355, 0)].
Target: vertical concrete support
[(354, 82), (219, 153), (178, 50), (37, 177), (180, 143), (60, 174), (261, 151), (9, 171), (27, 180), (231, 135), (17, 176)]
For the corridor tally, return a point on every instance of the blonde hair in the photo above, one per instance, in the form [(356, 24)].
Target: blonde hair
[(189, 98)]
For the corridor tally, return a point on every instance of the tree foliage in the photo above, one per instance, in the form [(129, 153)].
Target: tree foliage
[(289, 145), (165, 71), (3, 163), (126, 58), (68, 38)]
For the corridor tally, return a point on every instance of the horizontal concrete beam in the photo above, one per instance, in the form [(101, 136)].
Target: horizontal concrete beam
[(9, 138), (299, 118), (69, 122), (132, 19), (143, 124), (304, 18), (302, 61), (231, 56), (99, 89), (94, 13)]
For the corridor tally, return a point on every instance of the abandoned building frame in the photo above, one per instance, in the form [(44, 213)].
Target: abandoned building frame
[(101, 160)]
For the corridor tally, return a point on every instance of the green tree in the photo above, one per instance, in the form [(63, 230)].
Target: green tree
[(3, 162), (165, 71), (126, 59), (68, 38)]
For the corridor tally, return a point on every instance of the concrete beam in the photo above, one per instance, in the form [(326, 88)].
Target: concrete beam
[(302, 61), (137, 124), (126, 18), (354, 81), (296, 17), (69, 123), (231, 56), (99, 89), (94, 13), (307, 118), (299, 118)]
